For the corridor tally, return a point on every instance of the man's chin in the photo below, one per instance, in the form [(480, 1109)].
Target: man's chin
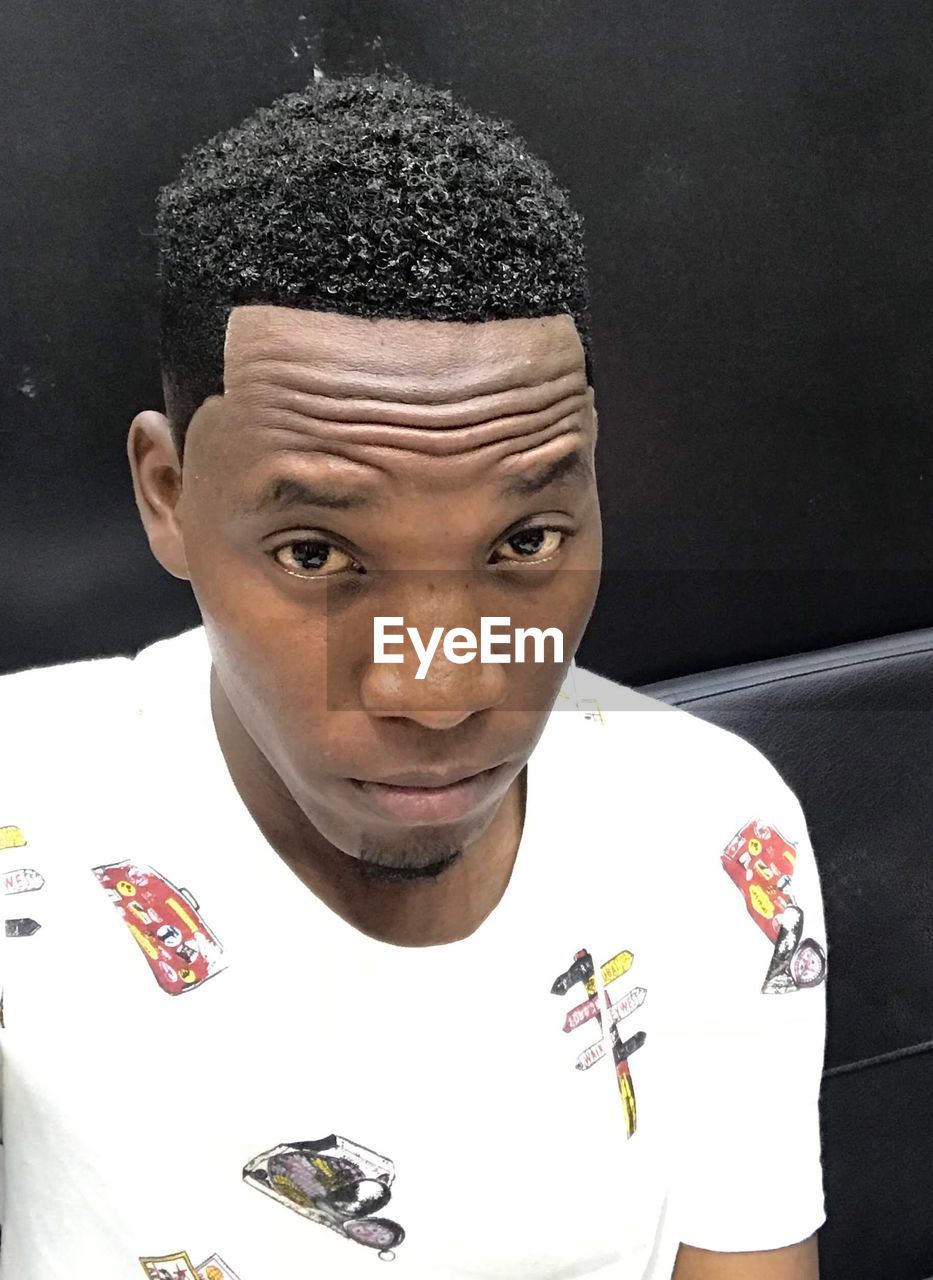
[(374, 870)]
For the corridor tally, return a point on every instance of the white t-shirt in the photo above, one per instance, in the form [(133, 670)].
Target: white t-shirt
[(209, 1075)]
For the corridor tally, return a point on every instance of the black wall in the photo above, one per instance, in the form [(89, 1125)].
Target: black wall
[(756, 183)]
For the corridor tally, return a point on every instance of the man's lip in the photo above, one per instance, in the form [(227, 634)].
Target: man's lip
[(425, 779), (416, 803)]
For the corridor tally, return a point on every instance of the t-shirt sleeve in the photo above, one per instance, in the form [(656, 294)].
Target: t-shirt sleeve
[(745, 1122), (10, 839), (2, 1152), (49, 716), (24, 707), (3, 949)]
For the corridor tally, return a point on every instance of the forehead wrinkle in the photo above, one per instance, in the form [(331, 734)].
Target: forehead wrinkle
[(336, 486), (551, 467), (291, 430), (284, 488), (468, 358), (269, 384), (310, 464), (341, 377)]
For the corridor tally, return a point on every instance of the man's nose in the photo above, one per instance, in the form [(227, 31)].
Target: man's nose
[(429, 684)]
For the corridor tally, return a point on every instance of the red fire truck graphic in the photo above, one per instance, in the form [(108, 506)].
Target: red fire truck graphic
[(760, 862), (582, 970), (334, 1182), (166, 924)]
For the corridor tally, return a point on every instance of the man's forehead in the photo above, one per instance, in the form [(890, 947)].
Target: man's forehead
[(422, 360)]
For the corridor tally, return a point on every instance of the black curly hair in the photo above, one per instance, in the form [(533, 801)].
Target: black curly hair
[(371, 196)]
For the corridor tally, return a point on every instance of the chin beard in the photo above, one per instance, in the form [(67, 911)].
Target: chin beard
[(406, 871)]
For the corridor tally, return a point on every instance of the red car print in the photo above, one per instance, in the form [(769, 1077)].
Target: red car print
[(166, 925), (760, 862)]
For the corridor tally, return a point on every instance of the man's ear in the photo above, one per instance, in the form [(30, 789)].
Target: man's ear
[(156, 473)]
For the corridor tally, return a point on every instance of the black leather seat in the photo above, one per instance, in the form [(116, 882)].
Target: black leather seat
[(851, 730)]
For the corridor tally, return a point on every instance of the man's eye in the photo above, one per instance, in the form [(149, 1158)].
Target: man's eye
[(312, 558), (531, 545)]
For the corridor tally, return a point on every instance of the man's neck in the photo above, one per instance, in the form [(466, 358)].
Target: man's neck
[(411, 913)]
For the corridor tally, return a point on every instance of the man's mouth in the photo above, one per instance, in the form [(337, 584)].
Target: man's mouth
[(416, 798)]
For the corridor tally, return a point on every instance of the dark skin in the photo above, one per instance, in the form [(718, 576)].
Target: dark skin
[(450, 470), (434, 436), (796, 1262)]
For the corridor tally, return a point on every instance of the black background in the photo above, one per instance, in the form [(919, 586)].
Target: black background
[(756, 184)]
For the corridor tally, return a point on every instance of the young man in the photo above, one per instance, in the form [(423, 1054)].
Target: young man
[(487, 968)]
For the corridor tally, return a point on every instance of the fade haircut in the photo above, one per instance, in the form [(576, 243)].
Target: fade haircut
[(370, 196)]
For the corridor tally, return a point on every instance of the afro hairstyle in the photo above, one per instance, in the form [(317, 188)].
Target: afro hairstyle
[(370, 196)]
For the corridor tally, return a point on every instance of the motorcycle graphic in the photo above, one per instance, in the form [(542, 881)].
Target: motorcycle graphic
[(335, 1183)]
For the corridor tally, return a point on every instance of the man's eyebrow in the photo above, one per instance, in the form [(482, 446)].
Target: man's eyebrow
[(282, 492), (525, 486), (288, 491)]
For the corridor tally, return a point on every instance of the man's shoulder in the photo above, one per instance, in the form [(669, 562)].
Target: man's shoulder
[(59, 736), (662, 745), (685, 792), (42, 705), (74, 736), (47, 691)]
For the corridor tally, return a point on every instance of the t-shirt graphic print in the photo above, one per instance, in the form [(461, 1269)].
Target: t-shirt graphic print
[(209, 1075), (583, 971), (760, 862)]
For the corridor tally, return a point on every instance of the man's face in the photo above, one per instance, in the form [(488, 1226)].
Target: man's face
[(433, 471)]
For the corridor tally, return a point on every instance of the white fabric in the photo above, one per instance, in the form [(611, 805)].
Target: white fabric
[(130, 1113)]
